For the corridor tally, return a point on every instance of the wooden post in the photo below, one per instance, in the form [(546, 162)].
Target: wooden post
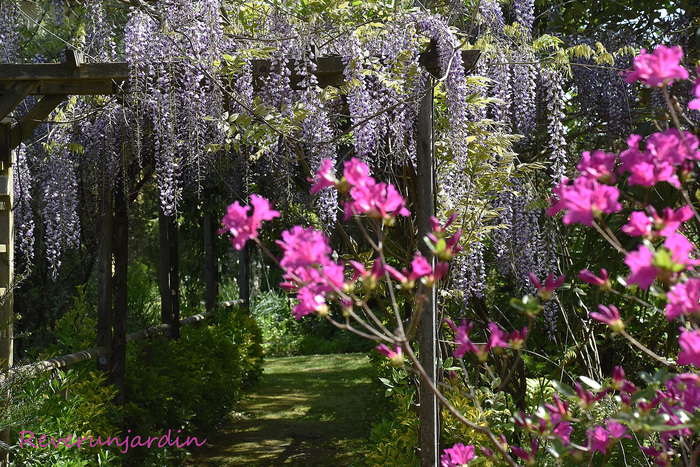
[(210, 264), (7, 249), (244, 277), (429, 414), (169, 273), (104, 280), (121, 259)]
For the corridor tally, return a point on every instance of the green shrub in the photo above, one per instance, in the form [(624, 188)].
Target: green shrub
[(75, 403), (191, 383)]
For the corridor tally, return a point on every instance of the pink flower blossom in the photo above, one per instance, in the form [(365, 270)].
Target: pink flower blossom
[(642, 271), (603, 281), (695, 103), (420, 267), (303, 247), (441, 230), (527, 457), (324, 177), (616, 429), (680, 249), (498, 336), (670, 220), (377, 200), (356, 172), (662, 66), (639, 225), (241, 226), (669, 146), (599, 166), (683, 298), (462, 337), (689, 341), (609, 315), (550, 284), (583, 200), (598, 439), (458, 455), (396, 355)]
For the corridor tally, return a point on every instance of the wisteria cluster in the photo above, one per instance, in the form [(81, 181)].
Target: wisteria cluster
[(172, 53)]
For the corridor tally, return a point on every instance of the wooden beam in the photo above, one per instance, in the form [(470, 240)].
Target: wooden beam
[(104, 280), (210, 262), (33, 118), (120, 249), (430, 60), (429, 411), (61, 71), (7, 235), (15, 94)]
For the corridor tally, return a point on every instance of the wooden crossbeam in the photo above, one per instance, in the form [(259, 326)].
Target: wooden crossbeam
[(330, 70), (15, 94), (33, 118), (63, 71)]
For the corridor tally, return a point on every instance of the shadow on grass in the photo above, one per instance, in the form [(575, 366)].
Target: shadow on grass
[(306, 411)]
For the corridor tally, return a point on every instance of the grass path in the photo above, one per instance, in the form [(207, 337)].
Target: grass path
[(305, 411)]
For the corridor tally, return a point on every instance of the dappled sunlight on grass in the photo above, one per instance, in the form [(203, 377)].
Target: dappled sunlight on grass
[(306, 411)]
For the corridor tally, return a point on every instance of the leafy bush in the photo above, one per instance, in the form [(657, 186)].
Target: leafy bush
[(191, 383), (75, 403)]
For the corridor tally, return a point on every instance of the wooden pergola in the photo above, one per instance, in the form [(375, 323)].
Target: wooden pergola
[(55, 82)]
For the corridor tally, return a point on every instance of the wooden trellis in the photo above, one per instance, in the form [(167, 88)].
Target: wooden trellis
[(55, 82)]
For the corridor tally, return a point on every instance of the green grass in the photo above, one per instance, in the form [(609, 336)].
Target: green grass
[(306, 411)]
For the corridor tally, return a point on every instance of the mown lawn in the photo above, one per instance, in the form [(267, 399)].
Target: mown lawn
[(306, 411)]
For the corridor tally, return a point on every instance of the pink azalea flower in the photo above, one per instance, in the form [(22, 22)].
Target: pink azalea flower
[(680, 249), (683, 298), (396, 355), (241, 226), (603, 281), (498, 336), (689, 341), (420, 267), (642, 271), (517, 338), (600, 166), (324, 177), (303, 247), (356, 172), (583, 200), (370, 278), (547, 290), (670, 220), (527, 457), (441, 230), (458, 455), (609, 315), (649, 174), (660, 67), (377, 200), (598, 439), (669, 146), (462, 337), (695, 103), (639, 225), (309, 303), (616, 429)]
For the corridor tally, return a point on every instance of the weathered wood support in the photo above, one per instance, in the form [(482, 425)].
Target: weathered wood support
[(211, 269), (120, 249), (429, 414), (244, 277), (169, 273), (7, 235), (104, 280)]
